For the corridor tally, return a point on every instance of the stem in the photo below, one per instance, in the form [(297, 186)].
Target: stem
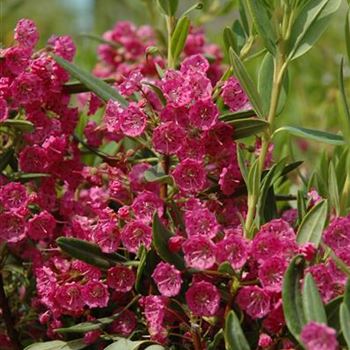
[(169, 26), (7, 316)]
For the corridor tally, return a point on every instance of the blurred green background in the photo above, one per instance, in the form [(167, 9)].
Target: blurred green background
[(313, 98)]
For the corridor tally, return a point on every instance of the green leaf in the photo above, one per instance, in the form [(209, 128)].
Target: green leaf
[(240, 37), (310, 24), (156, 174), (58, 345), (5, 158), (85, 251), (312, 302), (158, 92), (197, 6), (247, 127), (74, 87), (311, 134), (229, 116), (333, 189), (347, 294), (234, 336), (98, 86), (126, 344), (311, 227), (332, 311), (345, 322), (263, 24), (344, 98), (178, 39), (254, 179), (246, 83), (229, 40), (301, 205), (100, 40), (291, 296), (19, 124), (155, 347), (347, 33), (242, 163), (140, 268), (168, 7), (161, 237), (214, 344)]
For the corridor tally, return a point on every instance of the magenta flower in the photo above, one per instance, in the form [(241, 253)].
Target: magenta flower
[(124, 324), (201, 222), (337, 234), (63, 46), (230, 179), (233, 95), (203, 299), (135, 234), (131, 84), (69, 297), (168, 279), (33, 159), (120, 278), (195, 63), (190, 175), (199, 252), (318, 336), (12, 227), (41, 226), (26, 33), (203, 114), (133, 121), (14, 197), (145, 205), (271, 273), (255, 301), (112, 116), (95, 294)]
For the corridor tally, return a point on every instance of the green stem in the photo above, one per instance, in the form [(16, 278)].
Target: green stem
[(170, 25)]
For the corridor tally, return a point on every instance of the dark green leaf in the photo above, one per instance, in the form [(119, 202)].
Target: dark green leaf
[(98, 86), (5, 158), (301, 205), (58, 345), (77, 87), (155, 174), (247, 127), (332, 311), (345, 322), (347, 294), (234, 336), (239, 33), (242, 163), (215, 343), (311, 227), (179, 37), (229, 40), (312, 302), (246, 83), (169, 7), (291, 296), (101, 40), (311, 134), (227, 117), (161, 237), (19, 124)]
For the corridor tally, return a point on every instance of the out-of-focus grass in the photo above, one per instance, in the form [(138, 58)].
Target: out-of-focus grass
[(313, 99)]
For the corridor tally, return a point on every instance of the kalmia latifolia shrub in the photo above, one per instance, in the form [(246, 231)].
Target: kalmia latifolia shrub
[(150, 210)]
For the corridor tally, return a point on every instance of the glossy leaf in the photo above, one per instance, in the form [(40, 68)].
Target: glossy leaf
[(254, 179), (179, 37), (291, 296), (312, 302), (263, 24), (312, 225), (98, 86), (73, 87), (246, 127), (347, 294), (169, 7), (126, 344), (246, 82), (161, 237), (301, 206), (234, 336), (155, 347), (58, 345), (242, 163), (312, 134), (229, 116), (310, 24), (19, 124)]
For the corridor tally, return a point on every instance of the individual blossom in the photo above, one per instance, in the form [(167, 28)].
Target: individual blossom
[(201, 222), (27, 88), (230, 178), (41, 226), (13, 196), (194, 63), (203, 299), (337, 274), (135, 234), (120, 278), (255, 301), (112, 116), (63, 46), (274, 322), (69, 297), (264, 340), (234, 249), (12, 227), (133, 121), (95, 294), (26, 33), (199, 252), (124, 324), (168, 137), (337, 234), (175, 88), (168, 279), (233, 95), (318, 336), (271, 273), (33, 159), (146, 204), (203, 114), (190, 175), (131, 84)]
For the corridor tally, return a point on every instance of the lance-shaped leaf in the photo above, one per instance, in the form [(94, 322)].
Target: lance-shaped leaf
[(98, 86), (311, 228), (345, 322), (246, 127), (310, 24), (291, 296), (343, 96), (169, 7), (347, 33), (85, 251), (161, 237), (312, 134), (263, 24), (179, 37), (230, 40), (140, 268), (332, 311), (58, 345), (333, 190), (246, 83), (229, 116), (157, 174), (312, 302), (234, 336), (19, 124), (126, 344), (74, 87)]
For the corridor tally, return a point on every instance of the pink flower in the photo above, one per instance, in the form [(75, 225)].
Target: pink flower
[(318, 336), (33, 159), (254, 301), (133, 121), (190, 175), (195, 63), (324, 280), (168, 138), (13, 196), (204, 114), (69, 297), (41, 226), (201, 222), (112, 115), (230, 179), (233, 95), (63, 46), (146, 204), (337, 234), (175, 88), (168, 279), (3, 109), (234, 249), (199, 252), (124, 324), (203, 299), (27, 88), (135, 234), (271, 273), (12, 227), (95, 294), (131, 84), (264, 340), (26, 33), (120, 278), (17, 59), (274, 322)]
